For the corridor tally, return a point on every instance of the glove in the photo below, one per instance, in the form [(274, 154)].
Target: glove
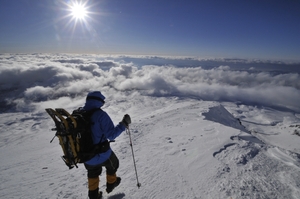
[(126, 120)]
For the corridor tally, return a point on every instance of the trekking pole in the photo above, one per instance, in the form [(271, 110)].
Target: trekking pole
[(138, 183)]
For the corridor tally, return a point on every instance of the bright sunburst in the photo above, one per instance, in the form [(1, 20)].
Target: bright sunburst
[(78, 11), (78, 17)]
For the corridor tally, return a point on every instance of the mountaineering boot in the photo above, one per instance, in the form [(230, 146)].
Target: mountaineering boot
[(95, 194), (93, 184), (110, 186)]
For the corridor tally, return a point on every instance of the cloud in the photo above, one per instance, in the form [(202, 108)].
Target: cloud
[(33, 79)]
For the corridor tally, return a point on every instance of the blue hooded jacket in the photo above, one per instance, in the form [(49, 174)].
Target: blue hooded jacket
[(102, 128)]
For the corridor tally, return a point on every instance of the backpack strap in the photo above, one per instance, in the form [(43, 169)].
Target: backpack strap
[(92, 111)]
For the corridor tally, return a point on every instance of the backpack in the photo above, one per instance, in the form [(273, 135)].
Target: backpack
[(75, 135)]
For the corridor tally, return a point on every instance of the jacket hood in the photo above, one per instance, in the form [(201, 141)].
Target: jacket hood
[(94, 99)]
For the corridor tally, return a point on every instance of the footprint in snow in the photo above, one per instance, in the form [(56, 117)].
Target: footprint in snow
[(169, 140)]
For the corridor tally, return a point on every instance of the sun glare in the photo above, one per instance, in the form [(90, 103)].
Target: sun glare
[(78, 11), (78, 16)]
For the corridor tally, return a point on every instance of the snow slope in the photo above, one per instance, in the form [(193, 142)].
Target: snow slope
[(217, 131), (183, 148)]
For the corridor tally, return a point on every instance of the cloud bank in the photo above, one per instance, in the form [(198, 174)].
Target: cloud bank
[(30, 79)]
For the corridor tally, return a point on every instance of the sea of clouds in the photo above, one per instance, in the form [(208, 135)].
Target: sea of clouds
[(30, 79)]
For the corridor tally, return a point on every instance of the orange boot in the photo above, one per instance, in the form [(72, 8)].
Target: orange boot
[(112, 181), (93, 184)]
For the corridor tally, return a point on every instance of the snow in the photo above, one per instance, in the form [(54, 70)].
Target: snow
[(184, 146)]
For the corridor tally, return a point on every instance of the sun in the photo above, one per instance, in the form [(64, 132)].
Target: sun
[(78, 11), (78, 16)]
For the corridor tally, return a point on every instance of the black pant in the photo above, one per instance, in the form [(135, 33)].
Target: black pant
[(111, 165)]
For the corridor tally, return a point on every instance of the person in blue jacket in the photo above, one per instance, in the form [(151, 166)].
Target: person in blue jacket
[(103, 130)]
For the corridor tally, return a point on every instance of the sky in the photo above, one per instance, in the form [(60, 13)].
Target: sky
[(202, 28)]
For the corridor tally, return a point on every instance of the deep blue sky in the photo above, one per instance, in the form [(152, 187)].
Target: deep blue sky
[(205, 28)]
